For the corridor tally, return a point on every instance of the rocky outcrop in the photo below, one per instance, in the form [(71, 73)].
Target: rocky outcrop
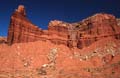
[(21, 29), (46, 60), (79, 35), (3, 40), (95, 28), (59, 28), (118, 22), (100, 24), (72, 59)]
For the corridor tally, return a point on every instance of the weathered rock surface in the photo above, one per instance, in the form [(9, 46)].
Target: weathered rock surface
[(21, 29), (95, 28), (118, 22), (44, 59), (59, 28), (3, 40), (86, 49), (80, 35)]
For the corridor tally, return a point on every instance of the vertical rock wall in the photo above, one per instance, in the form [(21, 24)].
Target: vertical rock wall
[(21, 29), (96, 28), (80, 34)]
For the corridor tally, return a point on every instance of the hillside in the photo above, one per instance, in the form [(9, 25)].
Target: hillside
[(85, 49)]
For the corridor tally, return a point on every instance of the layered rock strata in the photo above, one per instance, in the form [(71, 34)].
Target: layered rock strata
[(95, 28), (80, 34), (21, 29)]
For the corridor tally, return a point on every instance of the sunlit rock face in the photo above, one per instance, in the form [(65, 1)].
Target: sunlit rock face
[(59, 28), (86, 49), (96, 27), (3, 40), (118, 22), (21, 10), (80, 34), (21, 29)]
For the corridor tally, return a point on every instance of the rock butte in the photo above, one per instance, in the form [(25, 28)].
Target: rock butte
[(79, 35), (85, 49)]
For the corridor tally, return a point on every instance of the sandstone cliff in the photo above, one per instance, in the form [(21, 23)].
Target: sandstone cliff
[(21, 29), (80, 34), (59, 28), (85, 49), (96, 27)]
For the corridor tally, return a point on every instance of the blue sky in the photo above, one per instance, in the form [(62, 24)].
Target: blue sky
[(40, 12)]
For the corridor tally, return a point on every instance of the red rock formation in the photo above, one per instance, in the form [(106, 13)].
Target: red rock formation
[(3, 40), (59, 28), (21, 29), (79, 35), (86, 32), (95, 28), (118, 22), (43, 59)]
